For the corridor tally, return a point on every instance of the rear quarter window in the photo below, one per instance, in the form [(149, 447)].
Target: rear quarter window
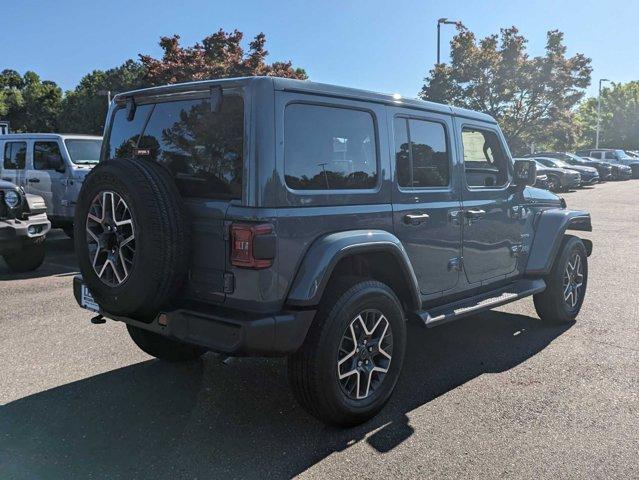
[(329, 148), (15, 154)]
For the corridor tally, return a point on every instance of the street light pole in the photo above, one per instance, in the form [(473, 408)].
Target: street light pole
[(441, 21), (601, 80), (439, 30)]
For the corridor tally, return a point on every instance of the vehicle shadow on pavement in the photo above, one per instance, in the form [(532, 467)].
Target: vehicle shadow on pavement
[(59, 260), (209, 420)]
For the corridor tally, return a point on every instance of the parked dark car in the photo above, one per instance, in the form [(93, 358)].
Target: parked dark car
[(615, 156), (604, 169), (23, 226), (589, 175), (559, 179), (618, 171), (541, 180), (269, 216)]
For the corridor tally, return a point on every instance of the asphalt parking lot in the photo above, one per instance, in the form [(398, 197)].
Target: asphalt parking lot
[(495, 395)]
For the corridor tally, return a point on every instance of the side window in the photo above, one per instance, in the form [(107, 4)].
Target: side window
[(421, 153), (596, 155), (485, 162), (610, 156), (46, 154), (329, 148), (15, 154)]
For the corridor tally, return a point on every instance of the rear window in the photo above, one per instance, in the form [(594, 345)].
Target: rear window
[(329, 148), (202, 149)]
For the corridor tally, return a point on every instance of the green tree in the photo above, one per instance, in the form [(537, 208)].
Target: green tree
[(218, 56), (619, 118), (30, 105), (533, 98), (84, 109)]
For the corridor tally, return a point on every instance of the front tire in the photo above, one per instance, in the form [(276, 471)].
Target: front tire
[(28, 259), (164, 348), (68, 231), (350, 362), (565, 285)]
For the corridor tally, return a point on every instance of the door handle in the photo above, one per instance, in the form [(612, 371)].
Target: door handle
[(415, 218), (6, 179), (33, 180), (475, 214)]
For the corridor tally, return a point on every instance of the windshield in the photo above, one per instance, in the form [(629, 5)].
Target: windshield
[(576, 158), (551, 162), (623, 155), (83, 151), (561, 164)]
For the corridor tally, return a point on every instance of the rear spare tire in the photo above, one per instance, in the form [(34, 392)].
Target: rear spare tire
[(131, 237)]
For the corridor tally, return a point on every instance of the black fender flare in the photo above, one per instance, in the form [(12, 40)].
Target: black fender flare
[(550, 227), (325, 252)]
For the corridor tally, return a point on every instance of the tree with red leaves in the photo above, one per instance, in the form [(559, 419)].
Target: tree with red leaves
[(218, 56)]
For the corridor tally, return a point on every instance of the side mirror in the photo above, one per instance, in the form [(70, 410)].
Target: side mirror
[(525, 172)]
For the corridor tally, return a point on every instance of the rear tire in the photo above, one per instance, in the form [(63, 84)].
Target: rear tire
[(565, 285), (164, 348), (28, 259), (328, 353)]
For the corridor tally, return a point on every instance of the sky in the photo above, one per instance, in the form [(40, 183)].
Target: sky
[(385, 46)]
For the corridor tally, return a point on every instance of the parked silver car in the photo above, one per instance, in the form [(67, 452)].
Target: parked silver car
[(52, 166)]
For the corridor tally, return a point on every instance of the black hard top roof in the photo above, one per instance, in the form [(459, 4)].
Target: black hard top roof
[(306, 86)]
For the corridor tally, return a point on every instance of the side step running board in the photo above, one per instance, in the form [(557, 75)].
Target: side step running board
[(479, 303)]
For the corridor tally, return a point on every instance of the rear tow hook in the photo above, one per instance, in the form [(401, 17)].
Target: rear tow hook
[(98, 319)]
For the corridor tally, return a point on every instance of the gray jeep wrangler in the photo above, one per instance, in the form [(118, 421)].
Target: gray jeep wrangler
[(23, 228), (273, 217)]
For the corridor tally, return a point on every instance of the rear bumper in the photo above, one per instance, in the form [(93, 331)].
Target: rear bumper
[(15, 234), (224, 330)]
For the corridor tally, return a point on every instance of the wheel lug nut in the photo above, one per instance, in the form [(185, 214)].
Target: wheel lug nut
[(359, 363), (370, 349)]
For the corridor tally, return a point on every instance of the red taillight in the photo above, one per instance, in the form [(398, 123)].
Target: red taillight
[(252, 246)]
